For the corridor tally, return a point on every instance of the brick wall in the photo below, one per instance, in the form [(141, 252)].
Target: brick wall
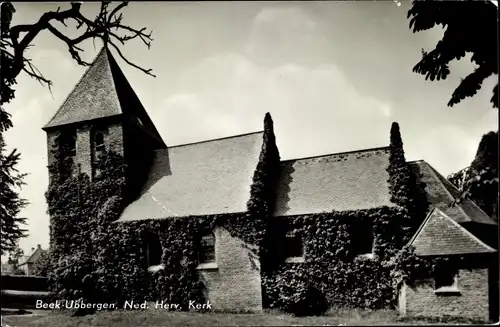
[(113, 139), (83, 150), (235, 284), (471, 303)]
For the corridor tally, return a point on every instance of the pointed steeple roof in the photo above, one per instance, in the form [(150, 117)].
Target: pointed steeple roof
[(441, 235), (94, 96), (103, 91)]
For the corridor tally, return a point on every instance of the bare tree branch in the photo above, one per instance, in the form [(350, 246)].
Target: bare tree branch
[(30, 69), (147, 71), (106, 26)]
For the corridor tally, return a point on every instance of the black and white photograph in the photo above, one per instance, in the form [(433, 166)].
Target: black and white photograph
[(249, 163)]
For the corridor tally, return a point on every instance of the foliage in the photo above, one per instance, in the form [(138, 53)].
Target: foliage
[(405, 191), (458, 179), (470, 27), (107, 25), (10, 178), (331, 265), (479, 182), (333, 268), (14, 41), (15, 259), (11, 203), (96, 258), (90, 255), (297, 295)]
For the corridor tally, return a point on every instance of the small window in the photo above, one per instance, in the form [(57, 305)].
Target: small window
[(72, 144), (361, 238), (68, 142), (99, 142), (446, 281), (152, 249), (207, 249), (294, 245)]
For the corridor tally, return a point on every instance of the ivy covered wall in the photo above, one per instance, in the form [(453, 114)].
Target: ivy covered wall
[(96, 259)]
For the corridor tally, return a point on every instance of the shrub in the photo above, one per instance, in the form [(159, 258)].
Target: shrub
[(297, 295)]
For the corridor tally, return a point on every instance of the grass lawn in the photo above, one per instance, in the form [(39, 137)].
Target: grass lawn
[(152, 318)]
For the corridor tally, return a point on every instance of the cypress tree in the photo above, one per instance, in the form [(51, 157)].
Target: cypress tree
[(405, 190)]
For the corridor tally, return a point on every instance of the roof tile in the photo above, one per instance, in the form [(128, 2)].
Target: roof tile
[(206, 178), (103, 91), (94, 96), (343, 181), (441, 235), (440, 194)]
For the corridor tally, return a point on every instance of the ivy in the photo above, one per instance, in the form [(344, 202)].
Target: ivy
[(403, 186), (331, 266), (96, 259)]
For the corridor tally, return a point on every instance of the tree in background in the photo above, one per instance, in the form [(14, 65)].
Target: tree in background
[(471, 27), (16, 256), (14, 41), (459, 178), (479, 181), (10, 203)]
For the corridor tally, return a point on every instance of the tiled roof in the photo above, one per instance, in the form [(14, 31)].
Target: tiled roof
[(211, 177), (440, 194), (441, 235), (103, 91), (343, 181), (34, 256), (94, 96)]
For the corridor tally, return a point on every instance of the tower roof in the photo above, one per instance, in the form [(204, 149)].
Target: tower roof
[(103, 91)]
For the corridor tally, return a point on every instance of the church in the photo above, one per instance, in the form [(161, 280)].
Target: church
[(214, 177)]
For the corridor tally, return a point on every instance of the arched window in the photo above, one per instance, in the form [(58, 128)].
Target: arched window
[(207, 248), (152, 249)]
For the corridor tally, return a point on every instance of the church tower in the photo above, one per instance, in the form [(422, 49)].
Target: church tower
[(103, 112)]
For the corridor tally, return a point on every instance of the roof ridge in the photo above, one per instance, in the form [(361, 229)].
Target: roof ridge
[(472, 236), (466, 199), (338, 153), (74, 86), (216, 139), (451, 197), (419, 230), (123, 87)]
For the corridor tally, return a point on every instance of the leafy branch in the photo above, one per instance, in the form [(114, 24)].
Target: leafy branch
[(470, 27)]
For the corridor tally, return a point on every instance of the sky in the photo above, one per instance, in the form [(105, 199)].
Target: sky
[(334, 76)]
